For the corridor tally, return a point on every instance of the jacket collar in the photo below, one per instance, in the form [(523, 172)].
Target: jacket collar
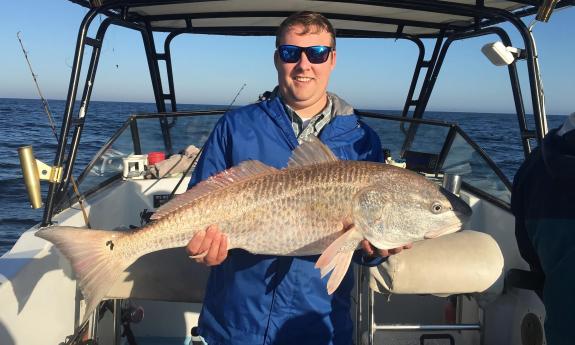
[(344, 119), (340, 106), (274, 108)]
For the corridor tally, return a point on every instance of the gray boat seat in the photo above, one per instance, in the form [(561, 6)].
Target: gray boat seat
[(166, 275), (462, 262)]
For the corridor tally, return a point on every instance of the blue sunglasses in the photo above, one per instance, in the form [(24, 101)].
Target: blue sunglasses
[(292, 54)]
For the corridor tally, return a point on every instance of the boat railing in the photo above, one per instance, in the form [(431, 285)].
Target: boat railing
[(140, 134), (437, 148)]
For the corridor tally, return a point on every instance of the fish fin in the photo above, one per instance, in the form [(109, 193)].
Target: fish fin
[(337, 257), (311, 151), (96, 259), (324, 270), (341, 266), (242, 172)]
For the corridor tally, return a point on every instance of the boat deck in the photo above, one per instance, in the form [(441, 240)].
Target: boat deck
[(162, 341)]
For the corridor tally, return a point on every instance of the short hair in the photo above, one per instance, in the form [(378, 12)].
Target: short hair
[(312, 22)]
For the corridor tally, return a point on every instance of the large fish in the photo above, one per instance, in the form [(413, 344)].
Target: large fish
[(317, 205)]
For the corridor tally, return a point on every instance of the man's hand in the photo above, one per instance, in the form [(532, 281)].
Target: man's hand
[(208, 247), (370, 250)]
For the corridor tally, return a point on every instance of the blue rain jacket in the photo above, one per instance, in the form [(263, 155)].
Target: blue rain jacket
[(543, 202), (259, 299)]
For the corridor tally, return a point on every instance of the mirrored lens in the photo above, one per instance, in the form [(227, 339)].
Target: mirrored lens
[(292, 54), (317, 54), (289, 54)]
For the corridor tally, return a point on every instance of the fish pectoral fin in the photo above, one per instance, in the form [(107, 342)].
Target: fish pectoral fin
[(337, 257), (342, 261), (348, 241)]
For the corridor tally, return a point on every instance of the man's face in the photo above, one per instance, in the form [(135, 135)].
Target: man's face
[(303, 84)]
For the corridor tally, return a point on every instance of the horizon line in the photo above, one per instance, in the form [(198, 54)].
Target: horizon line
[(223, 105)]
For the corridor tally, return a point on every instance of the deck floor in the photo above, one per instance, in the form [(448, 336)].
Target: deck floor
[(161, 341)]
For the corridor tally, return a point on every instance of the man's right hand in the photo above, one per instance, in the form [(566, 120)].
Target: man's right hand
[(209, 247)]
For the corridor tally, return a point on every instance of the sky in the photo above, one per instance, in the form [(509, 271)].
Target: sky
[(370, 73)]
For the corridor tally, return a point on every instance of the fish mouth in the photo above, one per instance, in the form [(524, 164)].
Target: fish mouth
[(454, 227), (461, 209)]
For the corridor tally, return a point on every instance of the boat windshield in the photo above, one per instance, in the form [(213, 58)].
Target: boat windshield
[(437, 148), (429, 147), (140, 134)]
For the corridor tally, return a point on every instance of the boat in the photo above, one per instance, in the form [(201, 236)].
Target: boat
[(40, 299)]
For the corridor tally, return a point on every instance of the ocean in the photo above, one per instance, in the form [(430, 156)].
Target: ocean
[(24, 122)]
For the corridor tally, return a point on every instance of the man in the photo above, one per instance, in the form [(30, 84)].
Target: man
[(543, 202), (258, 299)]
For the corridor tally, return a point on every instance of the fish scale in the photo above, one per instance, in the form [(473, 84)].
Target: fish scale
[(309, 207)]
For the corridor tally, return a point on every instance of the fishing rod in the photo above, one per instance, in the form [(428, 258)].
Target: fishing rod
[(44, 101), (236, 97), (48, 112)]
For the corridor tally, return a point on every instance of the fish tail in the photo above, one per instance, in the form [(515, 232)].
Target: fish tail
[(96, 258)]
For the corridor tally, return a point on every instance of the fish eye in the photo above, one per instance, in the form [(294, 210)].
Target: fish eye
[(436, 207)]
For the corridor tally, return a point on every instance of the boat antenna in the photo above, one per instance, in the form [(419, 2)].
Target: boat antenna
[(48, 112), (193, 163)]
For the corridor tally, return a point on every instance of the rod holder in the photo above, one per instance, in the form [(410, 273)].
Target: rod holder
[(452, 183), (33, 171)]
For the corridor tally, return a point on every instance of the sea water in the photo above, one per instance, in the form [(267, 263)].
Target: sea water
[(24, 122)]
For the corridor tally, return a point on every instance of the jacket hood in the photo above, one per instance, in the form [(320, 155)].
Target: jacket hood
[(340, 107), (558, 153)]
